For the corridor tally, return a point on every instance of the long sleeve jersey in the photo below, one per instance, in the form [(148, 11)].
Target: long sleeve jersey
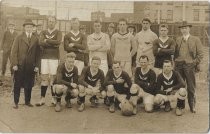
[(121, 88), (87, 78), (145, 81), (66, 77), (175, 82)]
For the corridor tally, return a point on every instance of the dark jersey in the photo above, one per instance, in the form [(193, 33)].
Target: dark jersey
[(66, 77), (121, 88), (175, 82), (80, 44), (165, 52), (145, 81), (87, 78), (51, 46)]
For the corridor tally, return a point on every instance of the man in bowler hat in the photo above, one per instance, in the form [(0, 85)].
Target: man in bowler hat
[(188, 55), (24, 59)]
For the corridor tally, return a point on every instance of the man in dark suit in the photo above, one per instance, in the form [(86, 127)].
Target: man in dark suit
[(7, 41), (24, 59), (188, 54)]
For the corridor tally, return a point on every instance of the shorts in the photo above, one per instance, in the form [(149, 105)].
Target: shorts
[(80, 65), (49, 66)]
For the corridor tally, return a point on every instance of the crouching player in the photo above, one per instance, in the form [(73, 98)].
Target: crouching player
[(118, 85), (170, 87), (66, 81), (90, 83), (144, 86)]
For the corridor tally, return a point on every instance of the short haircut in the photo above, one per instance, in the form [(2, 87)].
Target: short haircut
[(71, 55), (146, 19), (123, 19), (52, 17), (116, 62), (143, 57), (97, 21), (167, 61), (96, 58), (74, 19), (163, 26)]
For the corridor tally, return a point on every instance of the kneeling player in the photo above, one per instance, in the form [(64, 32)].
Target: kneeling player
[(91, 81), (118, 85), (170, 87), (66, 81), (145, 79)]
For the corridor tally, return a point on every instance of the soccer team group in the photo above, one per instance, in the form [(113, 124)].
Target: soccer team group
[(119, 67)]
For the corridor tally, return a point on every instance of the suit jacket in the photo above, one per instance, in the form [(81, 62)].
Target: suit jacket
[(7, 40), (25, 53), (195, 48)]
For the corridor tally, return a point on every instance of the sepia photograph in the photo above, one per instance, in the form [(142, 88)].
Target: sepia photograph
[(96, 66)]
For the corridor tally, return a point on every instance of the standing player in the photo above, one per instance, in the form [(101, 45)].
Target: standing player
[(118, 84), (123, 46), (145, 40), (6, 45), (98, 45), (90, 82), (50, 41), (144, 86), (76, 42), (170, 87), (163, 48), (66, 81), (188, 55)]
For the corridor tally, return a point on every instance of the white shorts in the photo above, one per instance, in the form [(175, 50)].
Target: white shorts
[(49, 66), (80, 65), (126, 66)]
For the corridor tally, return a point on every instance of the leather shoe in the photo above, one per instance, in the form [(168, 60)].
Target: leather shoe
[(15, 106), (193, 110), (29, 105)]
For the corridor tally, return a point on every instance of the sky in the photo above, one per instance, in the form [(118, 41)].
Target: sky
[(82, 9)]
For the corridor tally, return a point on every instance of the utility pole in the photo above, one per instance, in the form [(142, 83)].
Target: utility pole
[(183, 11), (56, 8)]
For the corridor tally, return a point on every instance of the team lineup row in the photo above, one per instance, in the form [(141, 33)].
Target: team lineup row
[(117, 53)]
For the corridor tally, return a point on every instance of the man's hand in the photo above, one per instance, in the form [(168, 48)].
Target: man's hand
[(74, 85), (15, 68), (120, 80), (89, 86), (168, 90), (71, 44), (36, 69)]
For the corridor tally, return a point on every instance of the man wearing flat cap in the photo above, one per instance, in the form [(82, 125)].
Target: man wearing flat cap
[(6, 45), (24, 62), (188, 55)]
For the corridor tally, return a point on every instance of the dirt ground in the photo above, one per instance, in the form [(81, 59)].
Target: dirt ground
[(99, 120)]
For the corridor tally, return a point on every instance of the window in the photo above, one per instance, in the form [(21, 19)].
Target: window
[(170, 15), (156, 14), (196, 14), (207, 13)]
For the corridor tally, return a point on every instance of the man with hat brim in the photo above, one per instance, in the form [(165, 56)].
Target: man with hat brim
[(66, 81), (24, 60), (38, 29), (188, 55), (6, 44)]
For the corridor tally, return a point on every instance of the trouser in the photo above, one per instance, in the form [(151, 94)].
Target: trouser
[(179, 96), (60, 89), (137, 93), (187, 71), (19, 83), (95, 93), (6, 56)]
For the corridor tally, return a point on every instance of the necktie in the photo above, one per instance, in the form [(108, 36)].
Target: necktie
[(29, 38)]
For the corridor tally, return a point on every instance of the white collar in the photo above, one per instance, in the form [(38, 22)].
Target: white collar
[(168, 77), (28, 34), (93, 72), (186, 36), (144, 72), (148, 30), (117, 76), (51, 31), (163, 40), (68, 70), (74, 33), (12, 31)]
